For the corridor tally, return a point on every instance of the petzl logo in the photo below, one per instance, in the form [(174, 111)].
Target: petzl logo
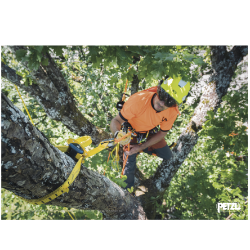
[(227, 206)]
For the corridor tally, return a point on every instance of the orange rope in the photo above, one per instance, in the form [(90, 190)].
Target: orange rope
[(120, 139), (108, 157), (125, 160)]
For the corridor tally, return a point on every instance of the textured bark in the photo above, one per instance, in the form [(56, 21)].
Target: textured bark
[(134, 85), (33, 168), (135, 81), (53, 94)]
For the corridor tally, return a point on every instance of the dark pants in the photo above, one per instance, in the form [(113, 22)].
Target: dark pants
[(159, 149)]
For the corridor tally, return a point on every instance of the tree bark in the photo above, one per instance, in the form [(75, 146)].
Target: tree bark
[(33, 168), (135, 81), (53, 94)]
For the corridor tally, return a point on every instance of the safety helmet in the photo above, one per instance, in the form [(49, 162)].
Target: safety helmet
[(175, 89)]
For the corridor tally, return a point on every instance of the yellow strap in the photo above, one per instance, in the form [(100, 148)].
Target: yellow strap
[(97, 149), (117, 156), (62, 189), (24, 105), (65, 186), (173, 145), (111, 153), (69, 213)]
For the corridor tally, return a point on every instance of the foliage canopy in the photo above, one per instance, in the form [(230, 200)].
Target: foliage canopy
[(215, 170)]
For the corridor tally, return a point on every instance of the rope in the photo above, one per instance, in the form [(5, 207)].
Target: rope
[(24, 105), (116, 158), (120, 139), (69, 213), (125, 148)]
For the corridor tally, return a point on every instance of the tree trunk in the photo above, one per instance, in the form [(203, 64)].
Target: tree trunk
[(33, 168), (135, 81)]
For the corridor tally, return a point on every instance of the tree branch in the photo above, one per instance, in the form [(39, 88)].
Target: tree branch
[(52, 92), (33, 168), (237, 53), (10, 74), (218, 55)]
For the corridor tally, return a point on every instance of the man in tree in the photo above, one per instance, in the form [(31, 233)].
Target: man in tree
[(143, 112)]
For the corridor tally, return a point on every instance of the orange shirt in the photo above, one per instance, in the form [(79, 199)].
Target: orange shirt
[(139, 111)]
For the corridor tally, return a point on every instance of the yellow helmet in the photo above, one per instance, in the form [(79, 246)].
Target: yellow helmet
[(176, 88)]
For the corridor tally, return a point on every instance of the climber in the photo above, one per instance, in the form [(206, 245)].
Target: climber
[(145, 110)]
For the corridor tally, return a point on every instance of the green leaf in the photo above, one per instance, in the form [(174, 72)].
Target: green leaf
[(199, 61), (210, 115), (121, 53), (38, 48), (20, 54), (236, 192), (188, 57), (164, 56), (156, 74), (45, 61), (93, 51), (36, 65), (26, 82), (58, 50), (217, 185), (135, 49), (45, 49)]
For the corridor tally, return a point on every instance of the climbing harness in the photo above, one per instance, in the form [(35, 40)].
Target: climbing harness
[(140, 136)]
